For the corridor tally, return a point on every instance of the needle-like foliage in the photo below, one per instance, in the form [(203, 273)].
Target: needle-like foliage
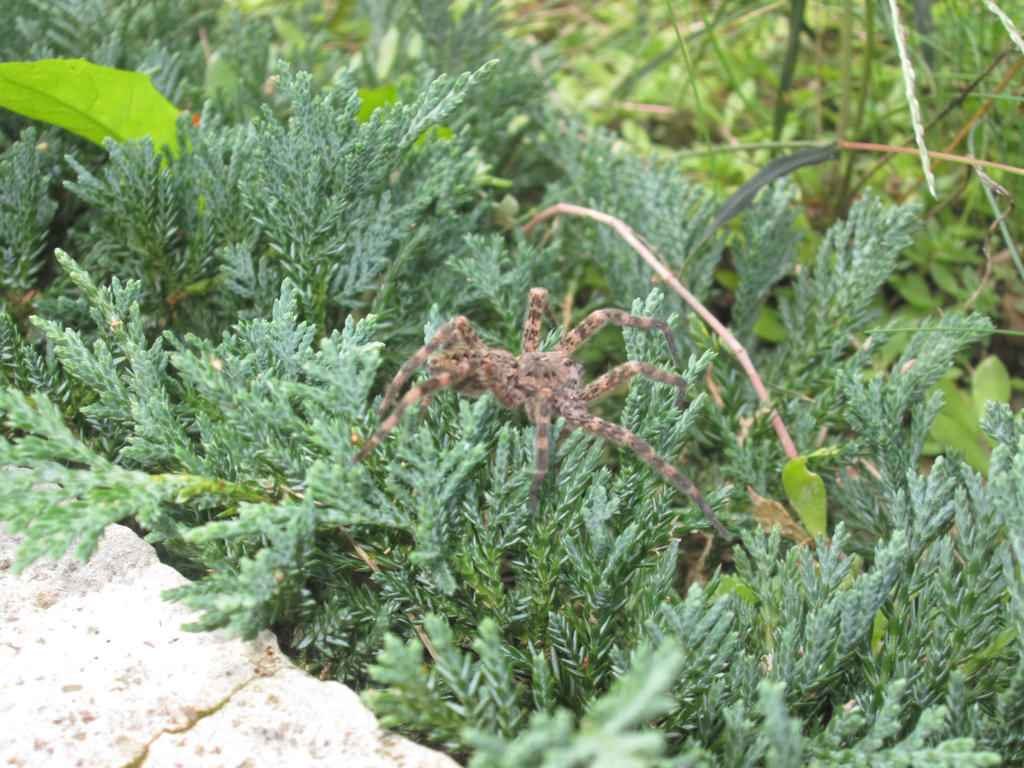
[(203, 359)]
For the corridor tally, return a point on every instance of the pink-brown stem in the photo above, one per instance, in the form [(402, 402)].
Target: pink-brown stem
[(665, 274)]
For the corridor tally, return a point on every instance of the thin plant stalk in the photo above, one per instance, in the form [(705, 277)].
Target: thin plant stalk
[(963, 159)]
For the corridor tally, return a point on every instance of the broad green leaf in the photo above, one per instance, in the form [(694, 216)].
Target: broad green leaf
[(768, 325), (728, 279), (915, 290), (991, 381), (727, 584), (956, 425), (997, 646), (949, 432), (944, 278), (806, 492), (373, 98), (956, 403), (93, 101), (441, 132)]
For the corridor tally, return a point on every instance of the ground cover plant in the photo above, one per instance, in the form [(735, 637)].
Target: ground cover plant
[(196, 336)]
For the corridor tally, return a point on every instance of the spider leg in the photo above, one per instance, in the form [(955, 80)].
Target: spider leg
[(536, 308), (608, 381), (426, 389), (597, 319), (459, 329), (626, 439), (542, 418)]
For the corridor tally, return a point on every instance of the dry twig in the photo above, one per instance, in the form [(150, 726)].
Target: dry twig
[(731, 342)]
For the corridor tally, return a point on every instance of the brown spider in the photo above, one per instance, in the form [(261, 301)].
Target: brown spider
[(547, 385)]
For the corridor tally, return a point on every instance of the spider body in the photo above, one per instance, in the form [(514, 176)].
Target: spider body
[(517, 382), (547, 385), (479, 371)]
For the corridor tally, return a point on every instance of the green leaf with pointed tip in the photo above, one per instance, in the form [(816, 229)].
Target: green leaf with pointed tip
[(806, 492), (93, 101), (956, 403), (373, 98), (991, 381), (915, 291), (881, 624), (728, 279), (949, 432), (768, 325), (727, 584), (956, 425)]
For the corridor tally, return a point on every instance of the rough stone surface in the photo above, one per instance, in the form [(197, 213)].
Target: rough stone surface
[(95, 670)]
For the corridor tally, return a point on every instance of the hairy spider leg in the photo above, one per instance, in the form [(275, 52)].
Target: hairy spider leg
[(542, 418), (427, 388), (606, 382), (623, 437), (459, 329), (536, 307), (598, 318)]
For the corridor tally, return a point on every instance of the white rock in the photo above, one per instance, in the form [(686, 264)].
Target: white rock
[(95, 670)]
